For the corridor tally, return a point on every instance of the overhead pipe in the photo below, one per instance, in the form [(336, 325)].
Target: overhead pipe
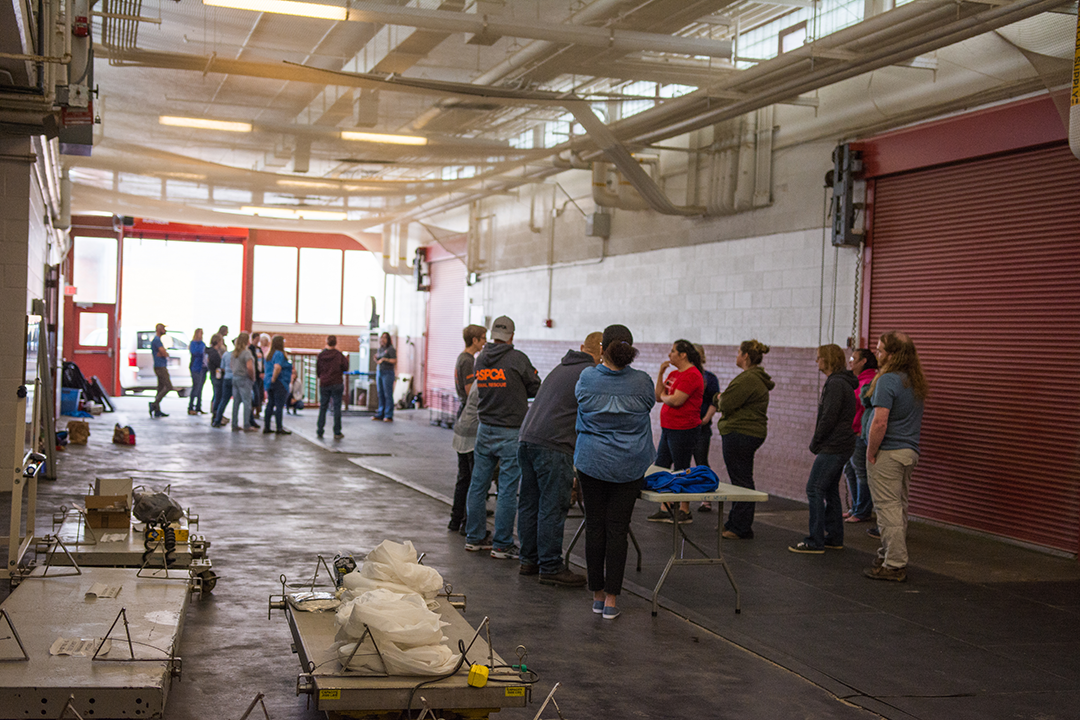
[(626, 41), (910, 20), (629, 197), (697, 110), (593, 12), (926, 41), (601, 193), (573, 163), (617, 153), (394, 261)]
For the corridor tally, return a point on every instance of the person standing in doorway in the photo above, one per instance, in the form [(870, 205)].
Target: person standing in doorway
[(330, 367), (161, 370), (385, 367), (475, 337), (892, 430), (197, 366), (743, 426)]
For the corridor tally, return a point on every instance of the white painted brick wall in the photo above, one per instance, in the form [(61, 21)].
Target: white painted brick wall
[(716, 293), (23, 249)]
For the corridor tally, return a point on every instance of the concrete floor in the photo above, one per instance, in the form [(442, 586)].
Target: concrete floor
[(983, 629)]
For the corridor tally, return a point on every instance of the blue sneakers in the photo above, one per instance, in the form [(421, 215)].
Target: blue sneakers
[(610, 613)]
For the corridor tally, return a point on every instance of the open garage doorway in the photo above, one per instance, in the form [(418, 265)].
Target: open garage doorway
[(183, 284)]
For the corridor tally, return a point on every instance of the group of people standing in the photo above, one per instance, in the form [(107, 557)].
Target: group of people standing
[(590, 417), (690, 397), (869, 421), (256, 370), (253, 370)]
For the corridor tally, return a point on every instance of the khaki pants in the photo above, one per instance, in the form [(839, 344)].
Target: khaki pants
[(164, 383), (890, 477)]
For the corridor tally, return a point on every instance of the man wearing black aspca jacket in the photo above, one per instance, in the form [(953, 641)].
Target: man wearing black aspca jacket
[(505, 380)]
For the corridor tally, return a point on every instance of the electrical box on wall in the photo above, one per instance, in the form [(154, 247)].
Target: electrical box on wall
[(421, 270), (848, 196), (598, 225)]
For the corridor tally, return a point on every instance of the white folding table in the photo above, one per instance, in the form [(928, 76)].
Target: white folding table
[(723, 493)]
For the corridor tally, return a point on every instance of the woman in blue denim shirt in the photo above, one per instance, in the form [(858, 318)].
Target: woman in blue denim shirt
[(614, 448), (276, 382)]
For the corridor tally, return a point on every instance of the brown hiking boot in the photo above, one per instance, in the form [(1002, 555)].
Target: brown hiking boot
[(886, 573)]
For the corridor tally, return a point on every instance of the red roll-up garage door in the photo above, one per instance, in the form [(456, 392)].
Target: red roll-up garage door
[(980, 262), (445, 321)]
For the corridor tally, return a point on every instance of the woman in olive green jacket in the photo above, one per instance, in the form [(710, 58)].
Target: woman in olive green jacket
[(743, 425)]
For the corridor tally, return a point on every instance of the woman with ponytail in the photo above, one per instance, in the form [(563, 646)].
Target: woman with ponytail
[(614, 449), (743, 426), (681, 393)]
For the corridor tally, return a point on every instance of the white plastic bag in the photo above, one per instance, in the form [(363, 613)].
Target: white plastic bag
[(400, 618), (396, 564), (423, 660), (365, 659), (408, 634), (356, 585)]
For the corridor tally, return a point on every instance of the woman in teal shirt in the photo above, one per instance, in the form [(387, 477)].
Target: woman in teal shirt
[(276, 382)]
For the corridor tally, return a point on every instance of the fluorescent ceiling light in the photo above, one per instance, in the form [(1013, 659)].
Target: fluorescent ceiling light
[(204, 124), (314, 184), (182, 176), (292, 213), (284, 7), (383, 138)]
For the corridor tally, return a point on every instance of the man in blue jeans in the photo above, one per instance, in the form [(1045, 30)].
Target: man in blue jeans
[(505, 380), (546, 456), (330, 366)]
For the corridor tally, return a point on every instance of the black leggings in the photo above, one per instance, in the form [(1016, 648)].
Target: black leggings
[(739, 452), (676, 447), (608, 509)]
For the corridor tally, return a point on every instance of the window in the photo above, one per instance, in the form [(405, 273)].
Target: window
[(94, 329), (796, 28), (94, 269), (792, 37), (320, 286), (274, 291), (363, 280)]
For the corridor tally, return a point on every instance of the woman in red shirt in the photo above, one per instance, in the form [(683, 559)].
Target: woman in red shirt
[(680, 417)]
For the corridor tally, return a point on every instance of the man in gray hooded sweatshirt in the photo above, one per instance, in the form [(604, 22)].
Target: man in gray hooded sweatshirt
[(546, 456), (505, 380)]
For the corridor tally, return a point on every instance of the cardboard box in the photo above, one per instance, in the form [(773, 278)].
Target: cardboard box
[(108, 511), (115, 486)]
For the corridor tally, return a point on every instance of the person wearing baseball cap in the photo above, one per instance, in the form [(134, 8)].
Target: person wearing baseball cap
[(505, 380), (161, 370)]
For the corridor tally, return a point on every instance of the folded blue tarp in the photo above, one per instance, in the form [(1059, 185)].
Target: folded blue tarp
[(698, 479)]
